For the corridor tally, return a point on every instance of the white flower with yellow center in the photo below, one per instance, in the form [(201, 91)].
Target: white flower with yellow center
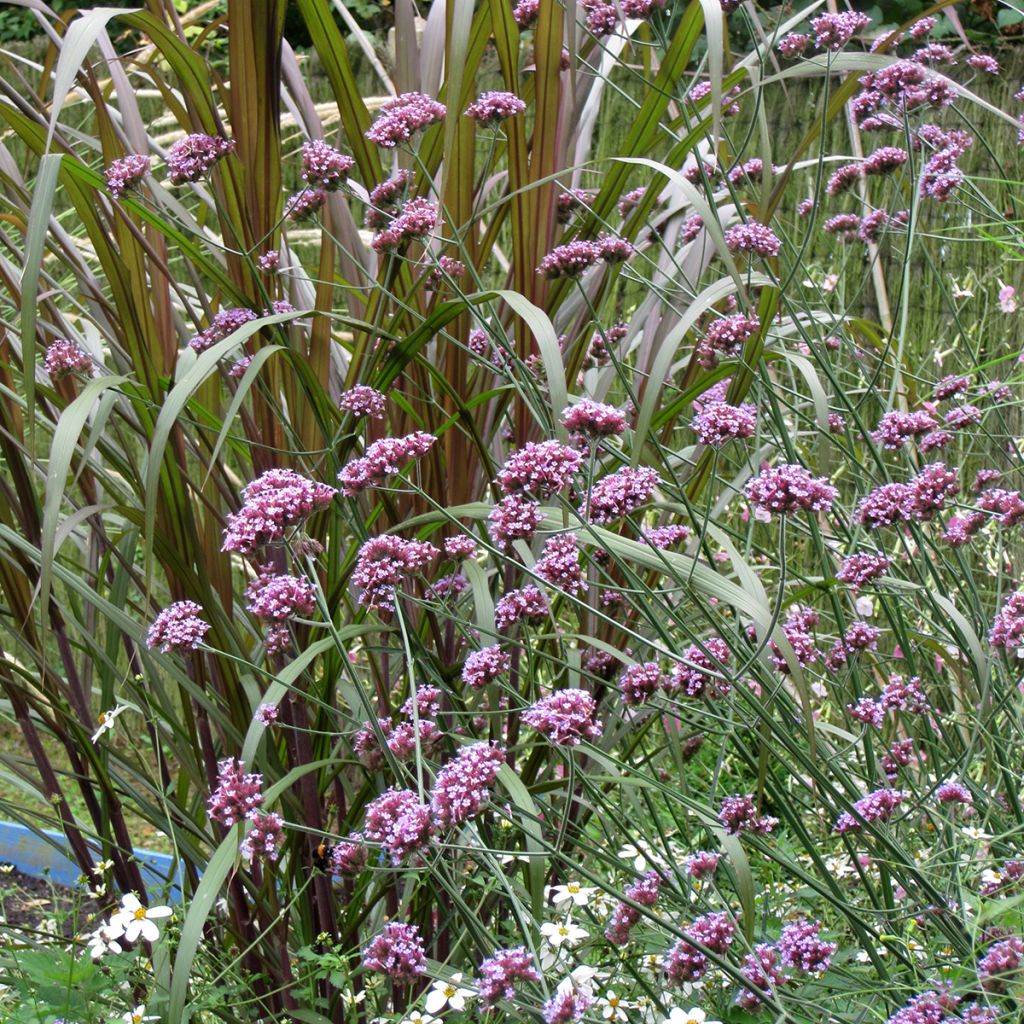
[(136, 921), (137, 1016), (565, 933), (695, 1015), (579, 894), (448, 993), (107, 720), (415, 1017), (613, 1007)]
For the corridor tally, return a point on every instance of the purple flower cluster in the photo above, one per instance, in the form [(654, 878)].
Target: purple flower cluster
[(383, 458), (463, 785), (625, 916), (640, 682), (274, 501), (125, 173), (527, 604), (718, 423), (194, 156), (400, 118), (1001, 964), (64, 358), (876, 806), (591, 420), (384, 563), (685, 962), (752, 237), (264, 838), (417, 219), (559, 564), (763, 974), (386, 198), (1007, 629), (482, 667), (491, 107), (500, 974), (895, 428), (803, 949), (567, 1004), (397, 952), (739, 814), (834, 31), (570, 260), (349, 856), (725, 337), (620, 493), (323, 166), (224, 322), (399, 822), (780, 490), (565, 717), (363, 400), (238, 794), (178, 628), (541, 468), (693, 677), (515, 517), (280, 597)]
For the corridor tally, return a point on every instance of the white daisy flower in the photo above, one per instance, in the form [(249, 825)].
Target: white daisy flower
[(579, 894), (136, 921), (566, 932), (447, 993)]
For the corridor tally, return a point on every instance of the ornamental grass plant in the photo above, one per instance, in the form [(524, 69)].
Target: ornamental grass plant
[(514, 581)]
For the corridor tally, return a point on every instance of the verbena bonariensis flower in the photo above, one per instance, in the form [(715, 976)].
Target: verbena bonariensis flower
[(64, 358), (868, 711), (1001, 964), (934, 53), (461, 547), (1007, 505), (619, 493), (542, 468), (224, 322), (885, 506), (724, 337), (463, 785), (386, 198), (565, 717), (762, 972), (876, 806), (515, 517), (383, 458), (385, 563), (1007, 629), (264, 838), (754, 238), (417, 219), (399, 822), (570, 260), (844, 226), (624, 916), (349, 856), (274, 501), (559, 564), (962, 416), (363, 400), (844, 179), (930, 490), (407, 739), (484, 666), (781, 490), (193, 157), (238, 794), (491, 107), (902, 694), (269, 261), (793, 44), (953, 792), (525, 12), (567, 1004), (602, 20), (730, 106), (685, 962), (400, 118), (934, 440), (178, 628), (640, 682), (984, 62), (527, 604), (702, 863), (718, 423), (502, 972), (803, 949), (739, 814), (280, 597), (613, 249), (834, 31), (694, 678), (397, 952), (323, 166), (592, 419), (885, 160), (125, 173), (667, 536), (872, 225)]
